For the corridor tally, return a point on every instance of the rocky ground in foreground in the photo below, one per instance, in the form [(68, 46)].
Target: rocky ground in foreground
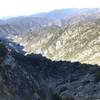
[(34, 77)]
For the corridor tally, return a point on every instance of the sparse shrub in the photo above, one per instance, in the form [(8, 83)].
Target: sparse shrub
[(97, 76), (69, 98), (56, 97), (3, 52), (63, 89)]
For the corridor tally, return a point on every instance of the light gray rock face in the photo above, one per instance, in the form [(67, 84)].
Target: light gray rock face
[(73, 37), (78, 40)]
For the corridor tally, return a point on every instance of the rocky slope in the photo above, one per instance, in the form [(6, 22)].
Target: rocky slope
[(78, 40), (34, 77), (75, 37), (69, 34)]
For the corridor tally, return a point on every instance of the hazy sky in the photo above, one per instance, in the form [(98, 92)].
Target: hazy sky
[(27, 7)]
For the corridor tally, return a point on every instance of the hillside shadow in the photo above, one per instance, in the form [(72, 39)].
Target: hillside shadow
[(12, 45), (47, 66), (59, 69), (34, 73)]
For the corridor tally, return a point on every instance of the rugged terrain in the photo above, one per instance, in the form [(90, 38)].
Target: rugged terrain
[(69, 41), (69, 34), (34, 77)]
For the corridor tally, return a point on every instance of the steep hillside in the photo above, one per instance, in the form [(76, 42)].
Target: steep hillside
[(34, 77), (66, 38), (79, 40), (68, 34)]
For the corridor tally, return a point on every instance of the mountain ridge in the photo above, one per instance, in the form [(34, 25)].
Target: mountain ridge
[(72, 38)]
